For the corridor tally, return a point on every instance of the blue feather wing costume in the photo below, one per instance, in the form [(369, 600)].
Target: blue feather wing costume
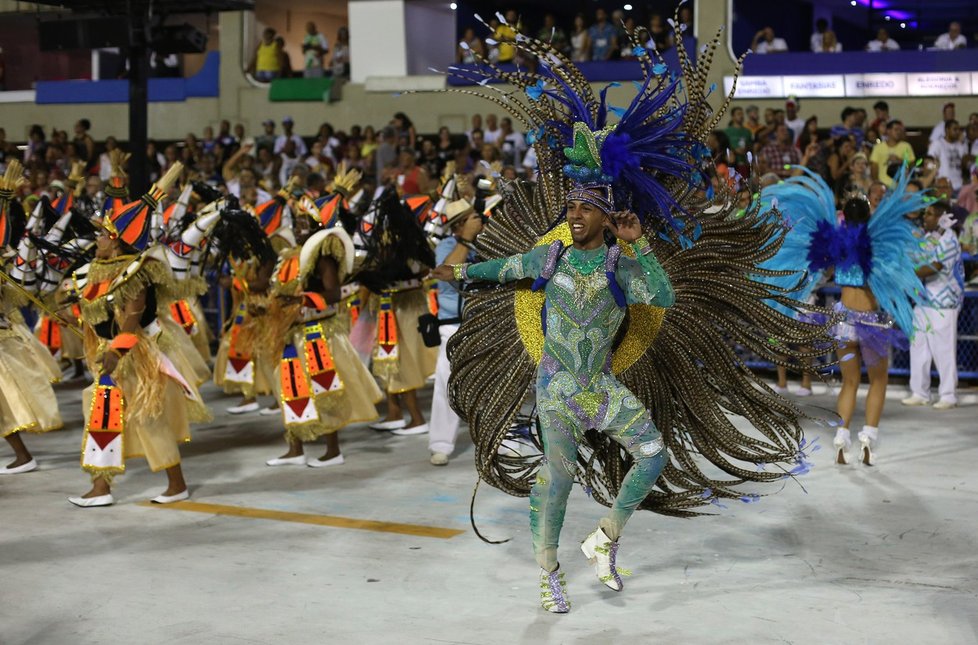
[(880, 251)]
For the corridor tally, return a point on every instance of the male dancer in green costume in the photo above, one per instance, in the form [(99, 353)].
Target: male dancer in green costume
[(588, 287)]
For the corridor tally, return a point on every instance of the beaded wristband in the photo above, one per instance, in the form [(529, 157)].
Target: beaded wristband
[(642, 246), (460, 272)]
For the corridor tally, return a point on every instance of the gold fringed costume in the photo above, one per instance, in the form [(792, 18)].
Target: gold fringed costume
[(242, 333), (413, 362), (42, 357), (160, 400), (27, 401), (323, 385)]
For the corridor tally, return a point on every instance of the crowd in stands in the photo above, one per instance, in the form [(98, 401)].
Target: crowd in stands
[(857, 155), (824, 40), (254, 167), (604, 38), (271, 60)]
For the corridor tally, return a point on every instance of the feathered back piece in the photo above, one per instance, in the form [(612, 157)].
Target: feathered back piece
[(816, 239), (682, 362), (648, 151), (396, 246)]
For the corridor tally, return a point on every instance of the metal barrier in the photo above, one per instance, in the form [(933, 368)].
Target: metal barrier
[(900, 359)]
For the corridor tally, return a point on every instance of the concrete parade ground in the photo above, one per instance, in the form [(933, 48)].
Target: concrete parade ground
[(380, 549)]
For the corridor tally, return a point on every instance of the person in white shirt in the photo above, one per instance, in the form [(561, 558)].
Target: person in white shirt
[(821, 25), (765, 42), (947, 114), (476, 125), (791, 119), (953, 39), (512, 144), (491, 133), (936, 322), (882, 43), (300, 145), (949, 152)]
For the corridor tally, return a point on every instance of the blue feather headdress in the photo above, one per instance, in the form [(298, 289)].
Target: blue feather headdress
[(649, 153)]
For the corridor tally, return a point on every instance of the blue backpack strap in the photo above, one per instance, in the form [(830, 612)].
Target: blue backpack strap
[(610, 268), (554, 253)]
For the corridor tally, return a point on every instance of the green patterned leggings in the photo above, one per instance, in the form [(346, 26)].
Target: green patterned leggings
[(560, 421)]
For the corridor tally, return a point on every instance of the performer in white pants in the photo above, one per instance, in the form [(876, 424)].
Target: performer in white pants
[(457, 248), (936, 323)]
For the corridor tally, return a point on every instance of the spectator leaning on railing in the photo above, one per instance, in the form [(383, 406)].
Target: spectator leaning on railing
[(265, 64), (765, 42)]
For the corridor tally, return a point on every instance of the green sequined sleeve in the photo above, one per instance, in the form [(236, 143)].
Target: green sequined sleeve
[(644, 280), (503, 270)]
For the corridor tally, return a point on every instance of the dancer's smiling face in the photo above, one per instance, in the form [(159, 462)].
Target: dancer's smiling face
[(586, 223)]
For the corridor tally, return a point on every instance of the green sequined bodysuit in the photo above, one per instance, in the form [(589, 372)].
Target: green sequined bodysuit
[(576, 389)]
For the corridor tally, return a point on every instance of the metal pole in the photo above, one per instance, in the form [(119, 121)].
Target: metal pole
[(138, 108)]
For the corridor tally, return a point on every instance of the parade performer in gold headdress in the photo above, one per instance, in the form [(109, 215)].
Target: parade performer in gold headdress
[(397, 258), (323, 386), (142, 402), (27, 402)]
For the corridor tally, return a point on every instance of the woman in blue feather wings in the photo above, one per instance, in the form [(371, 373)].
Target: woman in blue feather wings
[(871, 256)]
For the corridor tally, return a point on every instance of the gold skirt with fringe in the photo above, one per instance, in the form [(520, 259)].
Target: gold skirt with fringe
[(154, 428), (265, 373), (202, 334), (354, 403), (180, 349), (45, 362), (27, 401), (414, 362)]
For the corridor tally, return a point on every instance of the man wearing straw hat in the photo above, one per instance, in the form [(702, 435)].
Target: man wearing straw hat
[(465, 224)]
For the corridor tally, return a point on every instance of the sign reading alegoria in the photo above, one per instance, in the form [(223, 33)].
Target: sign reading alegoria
[(854, 85)]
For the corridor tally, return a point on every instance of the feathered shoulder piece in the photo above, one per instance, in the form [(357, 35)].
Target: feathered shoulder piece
[(648, 150), (892, 275), (804, 206)]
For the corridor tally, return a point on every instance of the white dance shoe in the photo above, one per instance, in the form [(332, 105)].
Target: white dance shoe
[(868, 438), (439, 459), (169, 499), (244, 409), (553, 594), (407, 432), (396, 424), (17, 470), (601, 552), (325, 463), (842, 443), (287, 461), (93, 502)]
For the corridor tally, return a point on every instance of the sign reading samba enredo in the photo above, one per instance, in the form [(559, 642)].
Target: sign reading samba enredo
[(858, 85), (815, 85), (755, 87), (939, 84)]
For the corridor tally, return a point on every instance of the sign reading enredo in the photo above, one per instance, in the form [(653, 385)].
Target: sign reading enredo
[(755, 87), (939, 84), (815, 85), (858, 85)]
